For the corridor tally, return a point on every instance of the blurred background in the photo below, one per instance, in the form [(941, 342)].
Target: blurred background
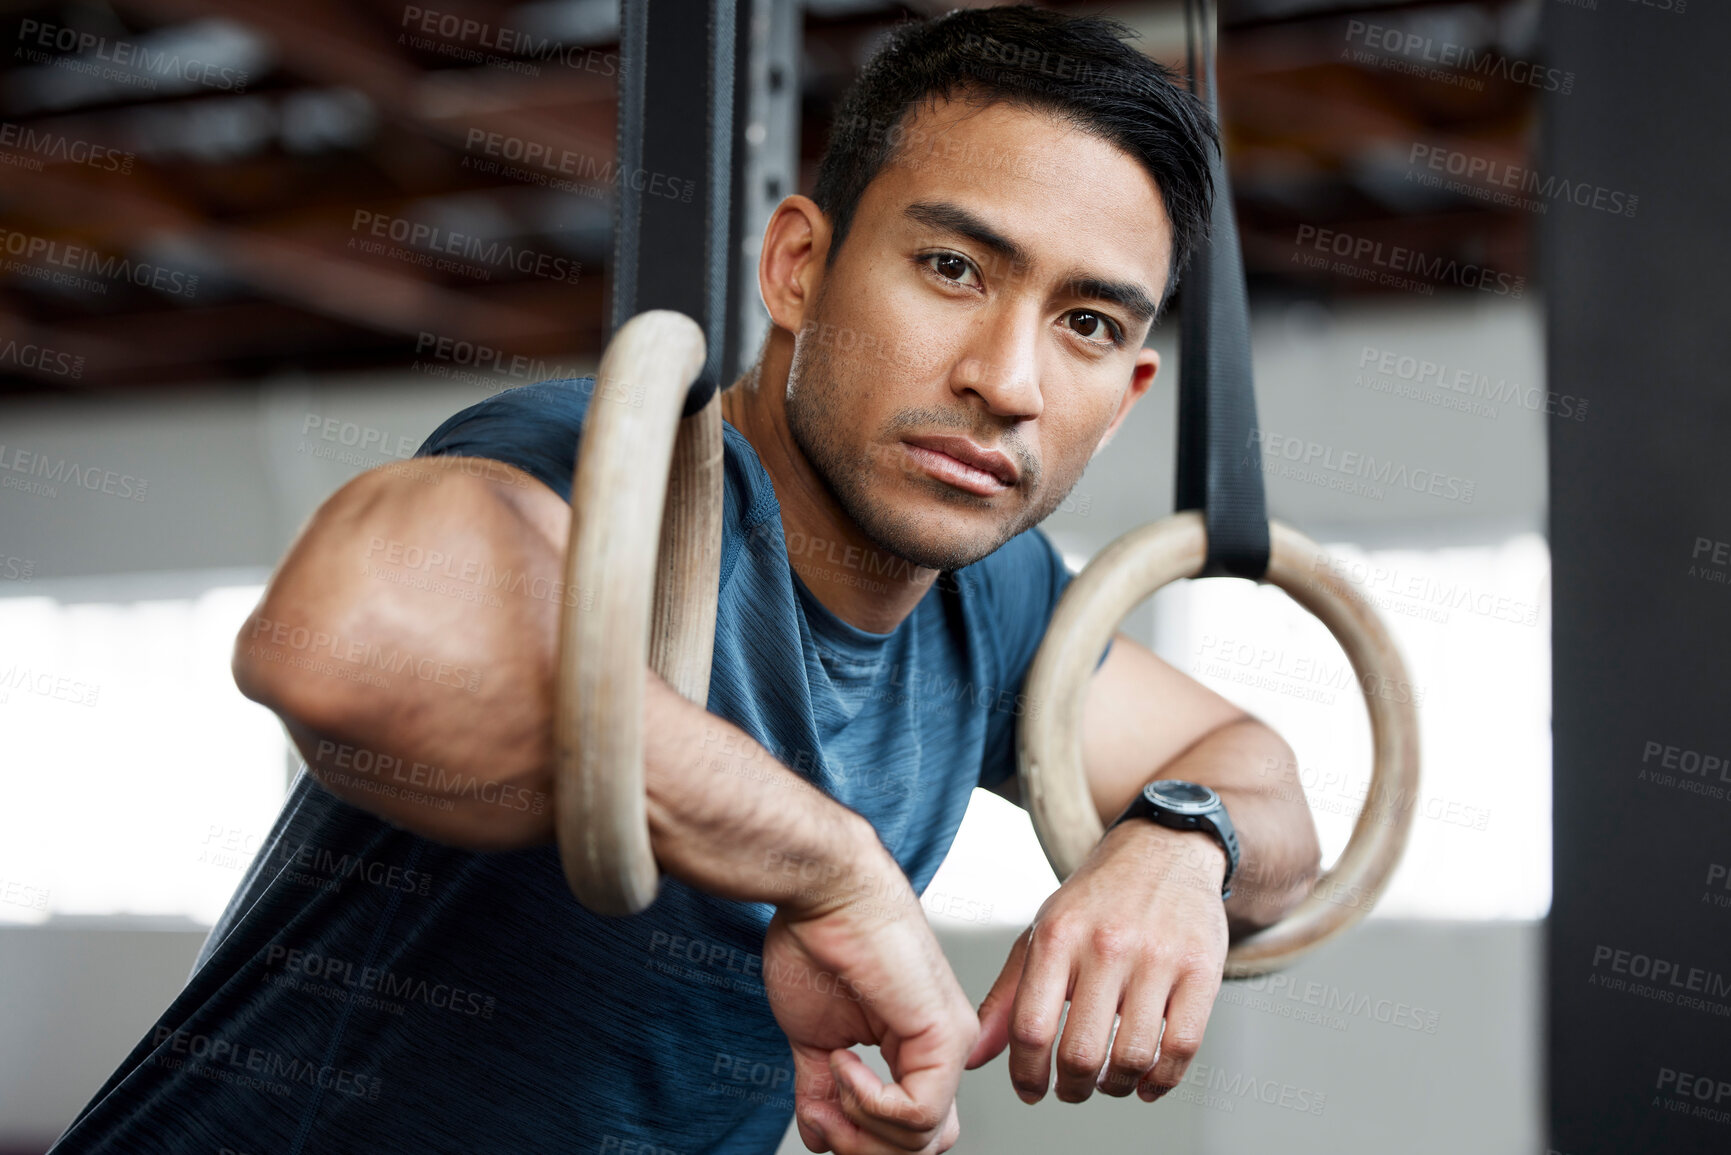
[(250, 249)]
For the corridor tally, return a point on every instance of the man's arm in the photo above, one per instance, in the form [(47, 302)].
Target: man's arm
[(422, 690), (1140, 927), (1143, 719)]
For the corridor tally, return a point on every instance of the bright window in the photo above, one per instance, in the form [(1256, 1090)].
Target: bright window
[(137, 780), (1473, 624)]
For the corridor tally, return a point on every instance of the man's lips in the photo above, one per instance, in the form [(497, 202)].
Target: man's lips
[(960, 461)]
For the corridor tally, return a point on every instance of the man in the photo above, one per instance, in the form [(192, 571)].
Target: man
[(959, 317)]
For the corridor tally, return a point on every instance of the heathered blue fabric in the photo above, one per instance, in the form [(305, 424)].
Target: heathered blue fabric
[(371, 991)]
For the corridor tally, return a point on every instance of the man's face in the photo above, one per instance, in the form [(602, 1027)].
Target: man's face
[(994, 288)]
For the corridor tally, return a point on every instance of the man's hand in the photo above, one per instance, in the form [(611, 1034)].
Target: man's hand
[(869, 970), (1139, 930)]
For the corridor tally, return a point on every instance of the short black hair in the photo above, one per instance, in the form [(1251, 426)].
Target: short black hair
[(1080, 68)]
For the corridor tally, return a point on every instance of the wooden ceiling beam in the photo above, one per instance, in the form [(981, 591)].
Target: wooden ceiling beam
[(347, 290)]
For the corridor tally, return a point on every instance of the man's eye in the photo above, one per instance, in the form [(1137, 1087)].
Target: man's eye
[(1092, 325), (949, 266)]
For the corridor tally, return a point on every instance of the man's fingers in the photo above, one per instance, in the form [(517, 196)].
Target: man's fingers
[(952, 1130), (811, 1133), (1187, 1014), (1138, 1039), (1094, 1000), (814, 1095), (1046, 973), (995, 1007), (886, 1111)]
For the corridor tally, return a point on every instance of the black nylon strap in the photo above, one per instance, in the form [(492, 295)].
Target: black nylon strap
[(676, 99), (1219, 455)]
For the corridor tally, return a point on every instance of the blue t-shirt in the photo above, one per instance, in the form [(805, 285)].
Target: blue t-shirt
[(368, 990)]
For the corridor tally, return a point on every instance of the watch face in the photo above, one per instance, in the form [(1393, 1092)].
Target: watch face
[(1184, 797)]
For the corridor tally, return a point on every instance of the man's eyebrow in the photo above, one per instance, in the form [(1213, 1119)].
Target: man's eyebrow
[(1126, 295), (953, 218)]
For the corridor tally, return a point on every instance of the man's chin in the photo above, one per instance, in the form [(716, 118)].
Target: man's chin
[(955, 544)]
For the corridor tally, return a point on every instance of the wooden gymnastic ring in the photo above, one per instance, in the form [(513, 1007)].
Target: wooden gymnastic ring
[(646, 509), (1049, 747)]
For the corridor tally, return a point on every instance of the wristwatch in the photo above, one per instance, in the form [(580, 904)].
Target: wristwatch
[(1188, 806)]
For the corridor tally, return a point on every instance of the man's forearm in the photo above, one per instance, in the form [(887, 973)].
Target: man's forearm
[(1256, 775), (728, 818)]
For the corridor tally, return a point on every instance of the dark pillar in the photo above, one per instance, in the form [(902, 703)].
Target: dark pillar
[(1639, 968)]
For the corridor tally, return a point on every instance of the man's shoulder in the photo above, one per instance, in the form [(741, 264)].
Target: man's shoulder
[(564, 398), (537, 428)]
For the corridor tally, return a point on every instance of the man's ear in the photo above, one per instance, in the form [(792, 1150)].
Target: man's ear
[(790, 267), (1141, 377)]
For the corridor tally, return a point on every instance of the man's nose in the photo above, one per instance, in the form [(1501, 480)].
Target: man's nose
[(1003, 373)]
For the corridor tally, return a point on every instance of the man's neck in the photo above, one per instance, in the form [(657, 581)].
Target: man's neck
[(857, 581)]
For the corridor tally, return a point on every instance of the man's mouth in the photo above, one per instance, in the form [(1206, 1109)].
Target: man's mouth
[(962, 463)]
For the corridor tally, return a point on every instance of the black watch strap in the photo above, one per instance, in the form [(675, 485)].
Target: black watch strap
[(1215, 822)]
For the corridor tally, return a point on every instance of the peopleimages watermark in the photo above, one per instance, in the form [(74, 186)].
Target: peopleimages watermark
[(1698, 1096), (479, 364), (46, 684), (371, 987), (1681, 768), (731, 968), (728, 750), (366, 438), (1350, 470), (928, 689), (1222, 1089), (1388, 261), (1673, 7), (537, 162), (1417, 55), (1420, 595), (956, 907), (255, 1067), (234, 850), (34, 147), (21, 468), (1464, 389), (391, 770), (73, 266), (1710, 561), (368, 447), (327, 869), (1336, 792), (1448, 162), (438, 248), (1660, 980), (15, 893), (41, 359), (1717, 876), (457, 33), (1280, 886), (742, 1077), (1325, 1004), (824, 881), (478, 578), (132, 63), (619, 1145), (919, 149), (1301, 676), (1084, 71), (361, 658)]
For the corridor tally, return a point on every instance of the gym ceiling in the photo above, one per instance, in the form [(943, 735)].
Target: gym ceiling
[(243, 215)]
